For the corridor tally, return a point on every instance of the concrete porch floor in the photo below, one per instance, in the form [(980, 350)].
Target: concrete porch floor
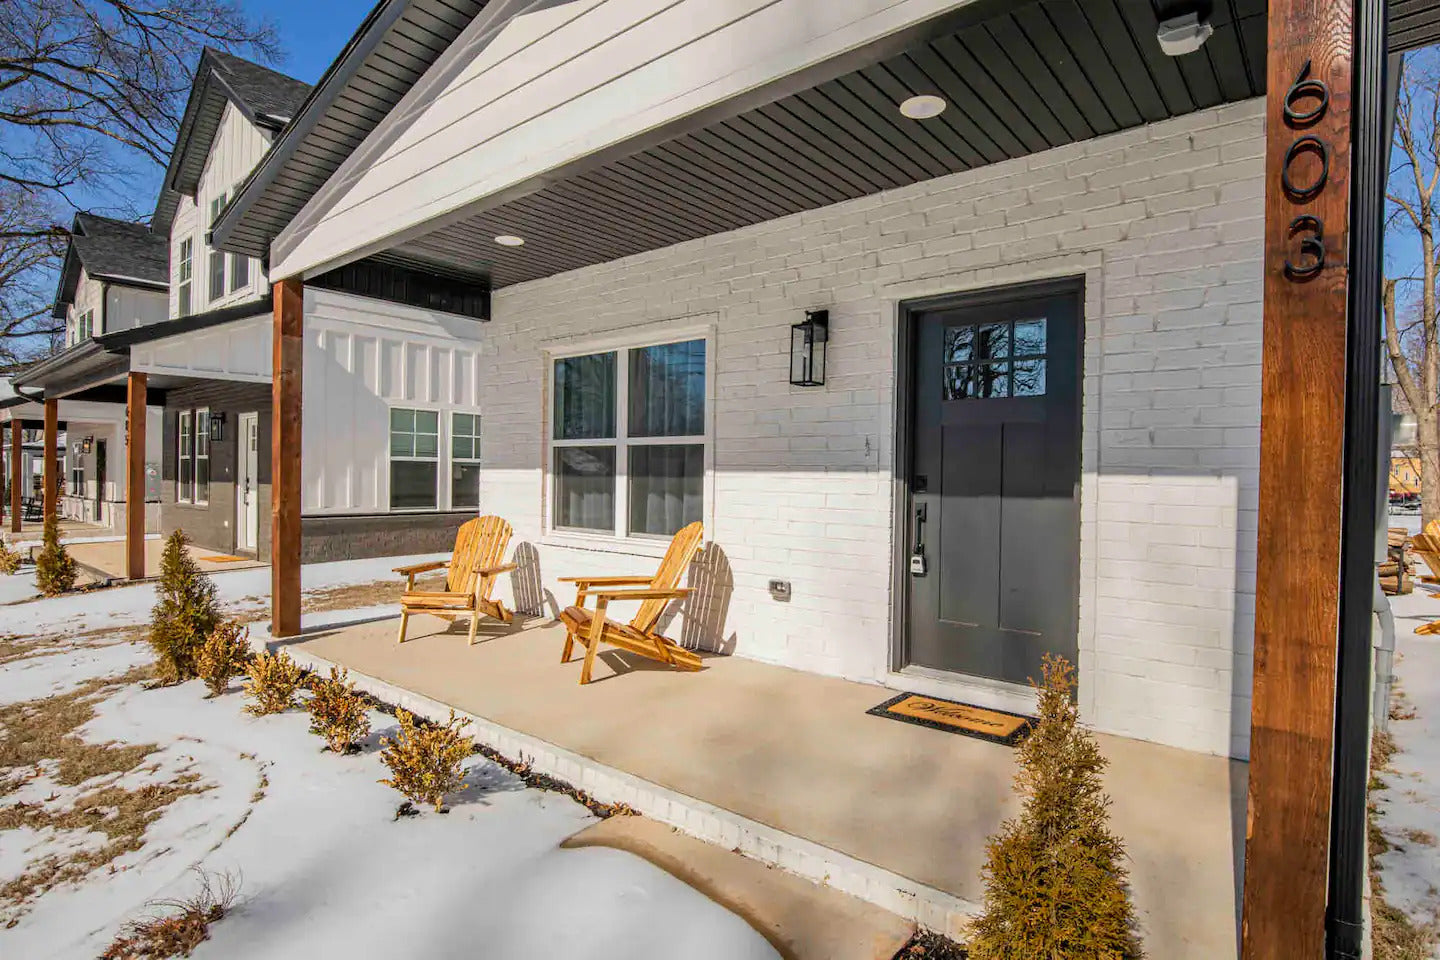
[(797, 752)]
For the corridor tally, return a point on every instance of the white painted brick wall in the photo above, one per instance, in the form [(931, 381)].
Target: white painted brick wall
[(1165, 224)]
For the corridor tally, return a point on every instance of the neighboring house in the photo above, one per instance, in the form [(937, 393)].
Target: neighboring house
[(398, 347)]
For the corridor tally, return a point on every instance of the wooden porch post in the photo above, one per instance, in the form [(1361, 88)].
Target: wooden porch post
[(135, 477), (52, 439), (1307, 196), (285, 458), (16, 438)]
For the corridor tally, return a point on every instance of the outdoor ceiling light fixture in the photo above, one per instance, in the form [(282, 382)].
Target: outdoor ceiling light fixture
[(808, 341), (509, 240), (923, 107), (1184, 34)]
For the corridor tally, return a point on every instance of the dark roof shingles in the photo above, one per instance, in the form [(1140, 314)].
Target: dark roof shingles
[(120, 249), (265, 92)]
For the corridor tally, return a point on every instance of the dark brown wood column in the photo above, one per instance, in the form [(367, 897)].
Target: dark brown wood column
[(285, 458), (52, 440), (135, 476), (1307, 196), (16, 455)]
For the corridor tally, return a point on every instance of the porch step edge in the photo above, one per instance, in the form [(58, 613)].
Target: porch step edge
[(931, 908)]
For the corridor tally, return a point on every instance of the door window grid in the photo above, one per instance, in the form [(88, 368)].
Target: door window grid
[(995, 360)]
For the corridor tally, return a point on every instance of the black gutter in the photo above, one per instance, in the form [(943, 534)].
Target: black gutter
[(322, 96), (1345, 910)]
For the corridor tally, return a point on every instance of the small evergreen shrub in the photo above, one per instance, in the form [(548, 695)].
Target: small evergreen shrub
[(1055, 881), (10, 559), (223, 656), (337, 712), (186, 613), (55, 569), (425, 759), (273, 680)]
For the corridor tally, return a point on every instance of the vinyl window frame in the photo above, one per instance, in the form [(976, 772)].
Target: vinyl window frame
[(184, 284), (441, 458), (216, 258), (185, 457), (620, 539), (452, 461)]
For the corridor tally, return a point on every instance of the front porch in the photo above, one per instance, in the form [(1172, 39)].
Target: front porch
[(787, 767)]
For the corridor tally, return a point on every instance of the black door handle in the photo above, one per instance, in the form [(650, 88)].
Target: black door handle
[(917, 536)]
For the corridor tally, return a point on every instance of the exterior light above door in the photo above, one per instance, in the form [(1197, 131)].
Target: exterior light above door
[(808, 342)]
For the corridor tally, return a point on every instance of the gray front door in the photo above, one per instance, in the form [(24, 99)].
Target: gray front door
[(993, 524)]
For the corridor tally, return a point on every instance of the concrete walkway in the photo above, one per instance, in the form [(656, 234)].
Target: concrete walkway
[(796, 752), (105, 559)]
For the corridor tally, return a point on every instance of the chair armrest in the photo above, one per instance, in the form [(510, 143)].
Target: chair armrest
[(607, 580), (415, 568), (493, 571), (672, 594)]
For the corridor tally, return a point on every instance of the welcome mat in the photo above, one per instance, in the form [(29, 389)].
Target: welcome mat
[(224, 558), (997, 726)]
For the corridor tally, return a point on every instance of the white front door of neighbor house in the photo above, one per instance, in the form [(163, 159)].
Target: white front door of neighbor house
[(247, 492)]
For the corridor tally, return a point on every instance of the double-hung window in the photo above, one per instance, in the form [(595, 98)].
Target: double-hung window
[(464, 460), (184, 271), (414, 458), (217, 257), (628, 440), (185, 459), (192, 456)]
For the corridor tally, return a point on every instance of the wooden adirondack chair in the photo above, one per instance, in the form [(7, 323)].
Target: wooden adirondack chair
[(591, 628), (1428, 547), (473, 568)]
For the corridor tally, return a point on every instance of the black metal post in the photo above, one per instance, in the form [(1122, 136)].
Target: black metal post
[(1368, 168)]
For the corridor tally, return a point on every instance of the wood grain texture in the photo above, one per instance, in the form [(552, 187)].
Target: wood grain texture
[(51, 486), (16, 454), (135, 476), (1301, 453), (474, 566), (288, 345)]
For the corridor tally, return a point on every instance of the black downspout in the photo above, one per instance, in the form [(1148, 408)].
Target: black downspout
[(1369, 164)]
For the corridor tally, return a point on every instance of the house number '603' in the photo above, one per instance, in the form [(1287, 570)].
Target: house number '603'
[(1308, 227)]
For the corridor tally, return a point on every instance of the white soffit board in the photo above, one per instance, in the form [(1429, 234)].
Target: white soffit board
[(500, 109)]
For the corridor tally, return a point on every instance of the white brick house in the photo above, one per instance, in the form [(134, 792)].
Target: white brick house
[(827, 199)]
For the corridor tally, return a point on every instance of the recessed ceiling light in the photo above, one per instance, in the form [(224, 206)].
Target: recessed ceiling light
[(923, 107), (509, 240)]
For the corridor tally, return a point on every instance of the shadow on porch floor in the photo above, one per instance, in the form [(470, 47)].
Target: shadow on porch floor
[(797, 752)]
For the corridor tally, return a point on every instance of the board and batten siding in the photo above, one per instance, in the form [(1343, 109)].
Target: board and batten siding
[(1163, 222), (127, 307), (238, 148), (509, 101), (363, 357)]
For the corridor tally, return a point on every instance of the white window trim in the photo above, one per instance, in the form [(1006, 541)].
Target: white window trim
[(185, 277), (186, 418), (621, 540), (441, 458), (201, 413)]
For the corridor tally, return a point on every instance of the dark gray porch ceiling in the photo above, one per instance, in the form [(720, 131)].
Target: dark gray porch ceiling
[(1019, 78), (1413, 23)]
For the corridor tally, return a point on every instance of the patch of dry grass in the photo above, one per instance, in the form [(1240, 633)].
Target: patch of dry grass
[(1395, 934), (175, 928), (19, 648), (40, 736)]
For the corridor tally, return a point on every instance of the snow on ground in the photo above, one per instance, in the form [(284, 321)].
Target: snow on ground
[(1410, 806), (325, 869)]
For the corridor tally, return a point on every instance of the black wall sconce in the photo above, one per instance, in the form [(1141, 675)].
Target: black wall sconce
[(808, 342), (217, 426)]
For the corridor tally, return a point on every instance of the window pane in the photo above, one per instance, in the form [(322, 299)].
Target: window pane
[(992, 340), (183, 307), (992, 380), (959, 344), (585, 397), (667, 390), (412, 484), (402, 445), (1029, 378), (202, 479), (585, 488), (462, 425), (427, 445), (1029, 337), (403, 420), (666, 485), (217, 274), (427, 421), (239, 271), (202, 433), (462, 448), (465, 485)]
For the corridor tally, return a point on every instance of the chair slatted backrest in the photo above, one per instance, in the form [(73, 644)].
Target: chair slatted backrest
[(1432, 529), (479, 543), (672, 568)]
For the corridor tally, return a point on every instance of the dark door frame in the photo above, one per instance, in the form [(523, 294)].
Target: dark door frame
[(904, 429)]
